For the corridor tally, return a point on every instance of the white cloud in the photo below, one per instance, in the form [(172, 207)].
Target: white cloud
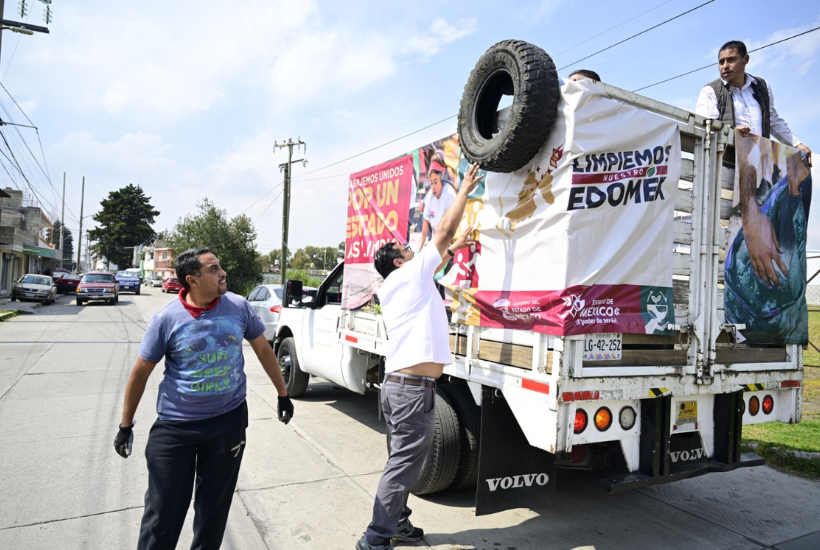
[(440, 33)]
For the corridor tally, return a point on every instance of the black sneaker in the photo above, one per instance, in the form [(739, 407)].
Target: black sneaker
[(405, 532), (364, 545)]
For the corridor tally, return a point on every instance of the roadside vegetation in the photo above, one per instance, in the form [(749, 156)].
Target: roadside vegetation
[(772, 440)]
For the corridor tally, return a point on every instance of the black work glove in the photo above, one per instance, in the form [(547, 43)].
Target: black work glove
[(124, 441), (285, 409)]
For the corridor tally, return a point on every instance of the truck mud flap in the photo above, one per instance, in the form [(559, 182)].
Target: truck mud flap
[(666, 457), (511, 473)]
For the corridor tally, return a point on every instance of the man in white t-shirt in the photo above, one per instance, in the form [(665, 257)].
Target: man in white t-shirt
[(436, 202), (419, 348)]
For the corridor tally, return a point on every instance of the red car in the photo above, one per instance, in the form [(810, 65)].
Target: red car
[(66, 282), (98, 286), (171, 284)]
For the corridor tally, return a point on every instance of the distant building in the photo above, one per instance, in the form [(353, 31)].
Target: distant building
[(157, 259), (23, 245)]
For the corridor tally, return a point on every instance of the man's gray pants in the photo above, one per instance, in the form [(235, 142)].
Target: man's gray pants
[(410, 415)]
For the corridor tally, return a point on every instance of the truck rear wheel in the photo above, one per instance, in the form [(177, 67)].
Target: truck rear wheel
[(469, 421), (520, 69), (296, 381), (441, 464)]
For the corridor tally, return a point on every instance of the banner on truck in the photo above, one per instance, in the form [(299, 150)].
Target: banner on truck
[(765, 268), (579, 240)]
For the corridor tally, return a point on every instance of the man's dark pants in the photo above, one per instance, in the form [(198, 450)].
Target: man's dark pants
[(410, 414), (177, 452)]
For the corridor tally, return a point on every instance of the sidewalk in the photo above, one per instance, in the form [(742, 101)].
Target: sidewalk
[(18, 307)]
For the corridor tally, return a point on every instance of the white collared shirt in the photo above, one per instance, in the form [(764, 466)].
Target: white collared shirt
[(747, 111)]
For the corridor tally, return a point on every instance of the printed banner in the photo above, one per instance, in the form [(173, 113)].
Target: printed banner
[(765, 268), (579, 240), (378, 211)]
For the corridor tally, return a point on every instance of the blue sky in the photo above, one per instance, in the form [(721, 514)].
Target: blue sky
[(187, 98)]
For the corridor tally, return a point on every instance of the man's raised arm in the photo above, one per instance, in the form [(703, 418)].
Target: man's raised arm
[(452, 218)]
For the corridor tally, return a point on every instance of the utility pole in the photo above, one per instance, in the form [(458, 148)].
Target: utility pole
[(62, 223), (80, 236), (286, 168)]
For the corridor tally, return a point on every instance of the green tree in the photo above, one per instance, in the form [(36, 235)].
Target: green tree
[(123, 222), (275, 257), (68, 243), (231, 240), (301, 259)]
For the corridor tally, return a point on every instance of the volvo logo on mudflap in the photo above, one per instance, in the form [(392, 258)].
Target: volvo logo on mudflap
[(686, 456), (514, 482)]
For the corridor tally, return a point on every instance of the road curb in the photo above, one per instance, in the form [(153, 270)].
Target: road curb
[(7, 315), (802, 457)]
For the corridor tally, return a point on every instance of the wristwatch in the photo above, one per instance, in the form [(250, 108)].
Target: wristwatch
[(450, 252)]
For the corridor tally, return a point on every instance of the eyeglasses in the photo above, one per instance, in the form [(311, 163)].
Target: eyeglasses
[(407, 248)]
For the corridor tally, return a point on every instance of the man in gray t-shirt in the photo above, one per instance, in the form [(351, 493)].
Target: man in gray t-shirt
[(200, 432), (418, 337)]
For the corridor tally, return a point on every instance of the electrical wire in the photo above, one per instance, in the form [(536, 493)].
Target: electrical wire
[(611, 29), (713, 64), (636, 35)]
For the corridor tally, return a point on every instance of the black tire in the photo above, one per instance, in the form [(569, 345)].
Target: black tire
[(441, 464), (469, 421), (138, 292), (296, 380), (520, 69), (79, 302)]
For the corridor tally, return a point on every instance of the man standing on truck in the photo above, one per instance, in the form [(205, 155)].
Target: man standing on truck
[(200, 432), (746, 103), (418, 336)]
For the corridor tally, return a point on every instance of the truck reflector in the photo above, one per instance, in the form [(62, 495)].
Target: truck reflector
[(351, 339), (790, 384), (535, 386), (580, 396)]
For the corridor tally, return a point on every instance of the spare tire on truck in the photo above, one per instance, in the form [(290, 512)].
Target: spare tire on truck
[(520, 69)]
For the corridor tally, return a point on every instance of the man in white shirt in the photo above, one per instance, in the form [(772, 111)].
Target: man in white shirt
[(751, 97), (746, 103), (419, 348), (437, 201)]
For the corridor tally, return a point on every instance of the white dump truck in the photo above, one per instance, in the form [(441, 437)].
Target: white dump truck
[(524, 396)]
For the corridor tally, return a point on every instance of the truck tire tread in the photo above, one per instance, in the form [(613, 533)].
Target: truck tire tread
[(442, 461), (469, 420), (296, 380)]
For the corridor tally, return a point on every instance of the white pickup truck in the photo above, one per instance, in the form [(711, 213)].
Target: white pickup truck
[(517, 404)]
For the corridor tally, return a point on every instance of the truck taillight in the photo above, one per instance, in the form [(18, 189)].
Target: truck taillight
[(603, 419), (768, 404), (276, 309), (581, 420), (754, 405), (627, 418)]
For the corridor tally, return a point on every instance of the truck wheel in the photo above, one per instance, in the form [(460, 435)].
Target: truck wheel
[(441, 464), (138, 291), (520, 69), (469, 421), (79, 302), (296, 381)]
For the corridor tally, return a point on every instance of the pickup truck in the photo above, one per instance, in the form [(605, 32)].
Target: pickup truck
[(516, 405)]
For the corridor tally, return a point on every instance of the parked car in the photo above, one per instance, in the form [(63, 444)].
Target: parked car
[(34, 287), (171, 284), (266, 301), (67, 282), (128, 281), (153, 281), (98, 286)]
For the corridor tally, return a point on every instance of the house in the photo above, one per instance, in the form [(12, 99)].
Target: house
[(157, 259)]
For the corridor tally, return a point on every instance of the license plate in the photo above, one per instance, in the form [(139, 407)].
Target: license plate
[(603, 346), (687, 413), (29, 295)]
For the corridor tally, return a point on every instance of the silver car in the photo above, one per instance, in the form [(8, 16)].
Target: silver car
[(266, 301), (41, 288)]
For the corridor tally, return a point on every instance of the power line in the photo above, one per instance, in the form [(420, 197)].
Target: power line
[(611, 28), (636, 35), (713, 64)]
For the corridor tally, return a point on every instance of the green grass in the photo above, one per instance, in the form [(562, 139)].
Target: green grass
[(799, 437), (811, 356), (13, 314)]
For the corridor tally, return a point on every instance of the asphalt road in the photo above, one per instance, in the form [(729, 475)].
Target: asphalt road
[(309, 484)]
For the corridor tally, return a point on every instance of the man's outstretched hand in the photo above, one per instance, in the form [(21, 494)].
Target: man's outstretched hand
[(124, 441), (284, 409)]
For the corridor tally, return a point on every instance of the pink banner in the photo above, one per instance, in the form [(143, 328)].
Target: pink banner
[(378, 208)]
